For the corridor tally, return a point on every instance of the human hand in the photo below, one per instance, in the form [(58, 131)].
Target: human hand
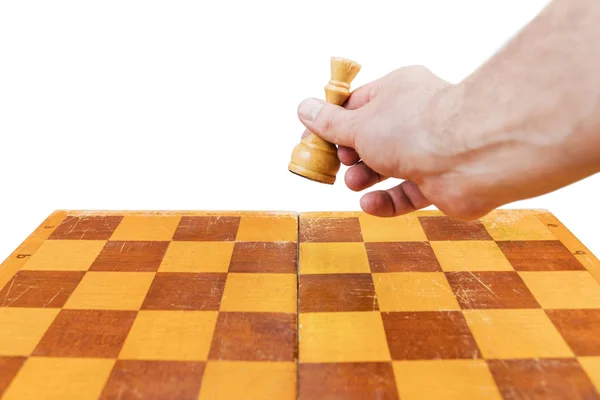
[(390, 128), (467, 148), (527, 122)]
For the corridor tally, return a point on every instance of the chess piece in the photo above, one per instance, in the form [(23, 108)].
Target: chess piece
[(314, 158)]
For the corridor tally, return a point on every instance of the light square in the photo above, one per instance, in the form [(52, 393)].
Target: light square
[(60, 378), (563, 289), (65, 255), (506, 334), (591, 366), (511, 226), (445, 379), (405, 228), (111, 291), (414, 291), (170, 335), (146, 228), (332, 258), (260, 292), (470, 255), (248, 380), (197, 257), (22, 328), (342, 337), (267, 229)]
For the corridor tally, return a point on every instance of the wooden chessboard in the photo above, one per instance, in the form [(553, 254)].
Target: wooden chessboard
[(277, 305)]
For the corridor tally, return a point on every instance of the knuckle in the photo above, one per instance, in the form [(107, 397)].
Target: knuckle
[(464, 208), (338, 125), (322, 123), (459, 203), (414, 68)]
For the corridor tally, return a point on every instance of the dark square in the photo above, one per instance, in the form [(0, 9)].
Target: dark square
[(348, 381), (86, 333), (269, 257), (9, 367), (330, 230), (542, 379), (154, 380), (86, 228), (40, 289), (446, 228), (337, 292), (133, 256), (185, 291), (254, 336), (209, 228), (539, 255), (429, 335), (402, 257), (579, 328), (490, 290)]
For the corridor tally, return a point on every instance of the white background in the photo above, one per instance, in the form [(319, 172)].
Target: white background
[(192, 104)]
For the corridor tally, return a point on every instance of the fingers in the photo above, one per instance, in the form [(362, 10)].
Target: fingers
[(399, 200), (361, 177), (361, 96), (348, 156), (358, 98), (332, 123)]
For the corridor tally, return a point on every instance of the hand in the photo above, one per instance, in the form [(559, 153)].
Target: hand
[(466, 148), (390, 128), (527, 122)]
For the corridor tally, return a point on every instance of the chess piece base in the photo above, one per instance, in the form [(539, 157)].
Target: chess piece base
[(315, 159), (312, 175)]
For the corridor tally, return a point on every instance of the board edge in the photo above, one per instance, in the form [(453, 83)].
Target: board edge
[(19, 257)]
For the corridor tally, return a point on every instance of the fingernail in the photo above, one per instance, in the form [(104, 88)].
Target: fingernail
[(309, 109)]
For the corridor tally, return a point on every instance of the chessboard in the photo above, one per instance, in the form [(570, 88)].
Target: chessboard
[(283, 305)]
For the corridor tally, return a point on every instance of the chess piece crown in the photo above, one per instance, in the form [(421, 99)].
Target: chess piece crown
[(314, 158)]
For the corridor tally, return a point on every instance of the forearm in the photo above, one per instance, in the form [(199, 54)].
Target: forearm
[(542, 89)]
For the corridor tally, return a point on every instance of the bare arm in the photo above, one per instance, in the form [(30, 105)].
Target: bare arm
[(542, 91)]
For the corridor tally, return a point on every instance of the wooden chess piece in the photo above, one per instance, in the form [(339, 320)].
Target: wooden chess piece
[(314, 158)]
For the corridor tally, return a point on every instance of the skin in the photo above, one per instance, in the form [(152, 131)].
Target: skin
[(524, 124)]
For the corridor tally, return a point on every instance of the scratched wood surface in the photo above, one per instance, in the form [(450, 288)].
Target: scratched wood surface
[(278, 305), (424, 307)]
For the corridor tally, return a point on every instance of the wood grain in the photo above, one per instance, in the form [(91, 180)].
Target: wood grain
[(266, 257), (185, 291), (130, 256), (337, 292), (330, 230), (347, 381), (86, 333), (539, 255), (9, 366), (542, 379), (207, 228), (446, 228), (40, 288), (154, 380), (427, 335), (254, 336), (86, 228), (402, 257), (580, 328), (482, 290)]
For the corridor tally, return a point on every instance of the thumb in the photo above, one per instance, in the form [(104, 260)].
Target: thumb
[(332, 123)]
